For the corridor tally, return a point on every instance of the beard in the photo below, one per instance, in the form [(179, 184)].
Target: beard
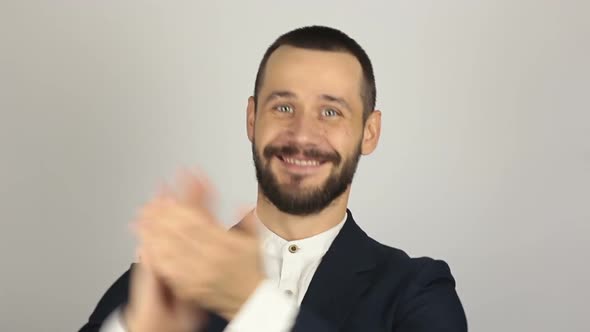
[(290, 197)]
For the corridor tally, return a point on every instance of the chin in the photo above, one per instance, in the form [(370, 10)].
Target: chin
[(302, 182)]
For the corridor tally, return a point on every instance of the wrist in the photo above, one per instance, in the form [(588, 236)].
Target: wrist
[(130, 321), (127, 320), (230, 312)]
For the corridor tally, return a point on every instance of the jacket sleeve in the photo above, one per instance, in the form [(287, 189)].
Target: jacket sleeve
[(114, 297)]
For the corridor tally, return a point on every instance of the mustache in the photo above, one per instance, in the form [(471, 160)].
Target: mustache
[(291, 150)]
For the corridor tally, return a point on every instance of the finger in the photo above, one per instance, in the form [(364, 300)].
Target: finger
[(170, 228), (173, 241), (191, 190), (168, 261), (177, 271), (161, 206), (192, 224), (165, 191), (195, 189), (187, 317)]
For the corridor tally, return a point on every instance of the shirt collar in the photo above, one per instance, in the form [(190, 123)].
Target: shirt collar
[(311, 247)]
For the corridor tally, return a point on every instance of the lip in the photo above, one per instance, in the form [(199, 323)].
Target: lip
[(299, 169)]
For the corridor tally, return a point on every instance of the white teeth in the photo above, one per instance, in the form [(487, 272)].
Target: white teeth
[(299, 162)]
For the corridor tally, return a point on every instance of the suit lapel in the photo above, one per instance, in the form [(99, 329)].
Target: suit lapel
[(343, 274)]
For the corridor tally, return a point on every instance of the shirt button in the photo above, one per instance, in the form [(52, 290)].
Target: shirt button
[(293, 248), (289, 292)]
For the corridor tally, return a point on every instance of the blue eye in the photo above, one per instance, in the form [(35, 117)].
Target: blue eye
[(284, 109), (330, 112)]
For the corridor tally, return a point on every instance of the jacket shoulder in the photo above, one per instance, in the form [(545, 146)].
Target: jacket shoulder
[(391, 258), (423, 290)]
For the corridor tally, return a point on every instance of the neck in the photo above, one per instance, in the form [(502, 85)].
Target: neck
[(292, 227)]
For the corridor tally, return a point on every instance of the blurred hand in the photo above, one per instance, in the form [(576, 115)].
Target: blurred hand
[(153, 308), (196, 256), (152, 305)]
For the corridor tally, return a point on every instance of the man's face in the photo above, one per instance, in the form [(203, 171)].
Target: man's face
[(307, 129)]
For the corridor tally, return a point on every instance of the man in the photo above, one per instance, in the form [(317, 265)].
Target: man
[(298, 261)]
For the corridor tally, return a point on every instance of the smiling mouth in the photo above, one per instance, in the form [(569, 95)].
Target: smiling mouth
[(300, 162)]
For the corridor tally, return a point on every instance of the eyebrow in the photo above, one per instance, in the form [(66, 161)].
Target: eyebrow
[(290, 95), (279, 94), (336, 100)]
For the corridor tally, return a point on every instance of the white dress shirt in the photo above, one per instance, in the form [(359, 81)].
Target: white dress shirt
[(289, 267)]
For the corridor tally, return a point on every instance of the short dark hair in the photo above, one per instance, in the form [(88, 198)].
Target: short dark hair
[(325, 39)]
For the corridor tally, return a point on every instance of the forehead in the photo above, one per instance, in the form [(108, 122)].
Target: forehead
[(310, 72)]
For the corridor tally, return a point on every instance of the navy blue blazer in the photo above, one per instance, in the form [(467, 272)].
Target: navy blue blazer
[(360, 285)]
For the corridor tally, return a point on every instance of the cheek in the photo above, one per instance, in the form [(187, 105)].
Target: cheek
[(261, 138), (266, 133), (345, 141), (262, 129), (341, 138)]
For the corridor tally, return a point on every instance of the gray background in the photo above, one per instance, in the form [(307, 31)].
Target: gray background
[(484, 159)]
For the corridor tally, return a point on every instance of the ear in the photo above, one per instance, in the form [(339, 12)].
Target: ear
[(250, 118), (371, 132)]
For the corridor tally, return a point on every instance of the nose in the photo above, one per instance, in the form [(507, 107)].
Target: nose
[(304, 128)]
